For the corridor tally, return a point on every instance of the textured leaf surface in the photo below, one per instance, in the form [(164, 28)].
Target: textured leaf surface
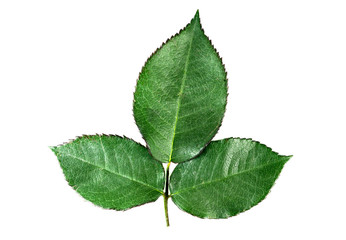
[(181, 95), (110, 171), (229, 177)]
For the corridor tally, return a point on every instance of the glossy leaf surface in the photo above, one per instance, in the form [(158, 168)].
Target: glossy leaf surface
[(229, 177), (180, 96), (110, 171)]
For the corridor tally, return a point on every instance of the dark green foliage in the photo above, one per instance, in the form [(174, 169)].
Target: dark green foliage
[(181, 95), (111, 171), (229, 177), (179, 104)]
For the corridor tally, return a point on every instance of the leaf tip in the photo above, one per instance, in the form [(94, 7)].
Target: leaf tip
[(196, 17), (286, 158), (53, 148)]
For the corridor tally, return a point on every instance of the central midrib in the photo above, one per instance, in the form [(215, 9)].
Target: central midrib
[(124, 176), (221, 179), (182, 89)]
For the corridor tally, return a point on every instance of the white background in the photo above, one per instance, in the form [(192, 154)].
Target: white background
[(69, 68)]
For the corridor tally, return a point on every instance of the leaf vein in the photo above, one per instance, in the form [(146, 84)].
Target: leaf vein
[(222, 179), (181, 90), (107, 170)]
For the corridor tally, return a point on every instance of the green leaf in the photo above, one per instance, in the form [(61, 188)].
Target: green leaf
[(229, 177), (180, 96), (110, 171)]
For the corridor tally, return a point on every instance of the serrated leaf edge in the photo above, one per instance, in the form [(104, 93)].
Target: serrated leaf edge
[(58, 154), (226, 80), (287, 157)]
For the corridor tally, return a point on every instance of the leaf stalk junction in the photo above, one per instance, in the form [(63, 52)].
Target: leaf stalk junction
[(166, 195)]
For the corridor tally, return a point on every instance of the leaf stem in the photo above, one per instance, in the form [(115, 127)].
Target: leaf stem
[(165, 202), (166, 194)]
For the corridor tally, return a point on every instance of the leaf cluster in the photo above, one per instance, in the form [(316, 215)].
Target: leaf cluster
[(179, 104)]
